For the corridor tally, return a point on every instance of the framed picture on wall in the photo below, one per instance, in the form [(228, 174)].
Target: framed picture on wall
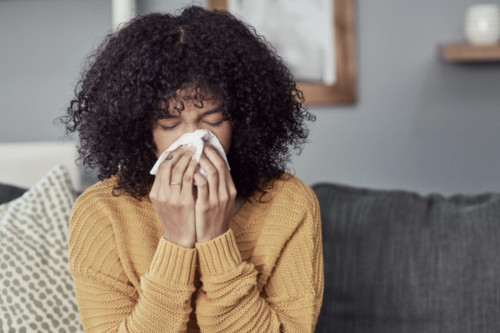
[(315, 38)]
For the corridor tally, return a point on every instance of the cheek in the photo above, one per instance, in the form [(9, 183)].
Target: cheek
[(162, 141), (224, 136)]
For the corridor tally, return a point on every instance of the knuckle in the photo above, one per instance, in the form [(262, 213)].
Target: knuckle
[(174, 203), (211, 171), (204, 208), (201, 181), (161, 198)]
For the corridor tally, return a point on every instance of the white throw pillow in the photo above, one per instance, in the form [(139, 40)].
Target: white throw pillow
[(36, 288)]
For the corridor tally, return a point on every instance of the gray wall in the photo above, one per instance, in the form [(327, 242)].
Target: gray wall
[(42, 47), (166, 6), (419, 123)]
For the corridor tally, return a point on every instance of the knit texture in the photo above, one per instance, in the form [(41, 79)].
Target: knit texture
[(263, 275)]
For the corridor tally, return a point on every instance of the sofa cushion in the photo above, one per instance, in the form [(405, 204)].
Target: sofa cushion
[(399, 262), (36, 288)]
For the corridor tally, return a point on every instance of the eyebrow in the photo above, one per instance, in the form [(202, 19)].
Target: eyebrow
[(206, 113)]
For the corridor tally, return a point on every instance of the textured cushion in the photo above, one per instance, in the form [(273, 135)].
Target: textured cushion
[(36, 289), (399, 262), (10, 192)]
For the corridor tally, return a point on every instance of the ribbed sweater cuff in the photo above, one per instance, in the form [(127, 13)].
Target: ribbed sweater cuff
[(219, 255), (173, 262)]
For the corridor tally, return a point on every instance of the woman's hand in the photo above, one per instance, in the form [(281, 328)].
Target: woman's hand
[(216, 196), (173, 199)]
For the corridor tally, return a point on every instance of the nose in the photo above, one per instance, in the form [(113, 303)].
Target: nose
[(191, 127)]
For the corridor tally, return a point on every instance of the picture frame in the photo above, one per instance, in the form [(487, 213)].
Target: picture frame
[(343, 90)]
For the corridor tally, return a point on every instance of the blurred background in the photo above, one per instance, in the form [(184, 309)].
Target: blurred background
[(419, 123)]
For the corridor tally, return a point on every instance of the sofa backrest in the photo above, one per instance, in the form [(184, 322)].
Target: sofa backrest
[(399, 262)]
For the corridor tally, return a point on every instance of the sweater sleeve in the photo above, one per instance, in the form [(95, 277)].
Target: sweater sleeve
[(291, 299), (107, 301)]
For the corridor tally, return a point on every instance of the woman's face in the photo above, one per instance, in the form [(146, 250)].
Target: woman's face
[(192, 118)]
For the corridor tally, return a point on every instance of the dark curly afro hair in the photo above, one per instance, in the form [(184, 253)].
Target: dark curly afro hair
[(149, 60)]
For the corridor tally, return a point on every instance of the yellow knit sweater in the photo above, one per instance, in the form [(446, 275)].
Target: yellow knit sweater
[(264, 275)]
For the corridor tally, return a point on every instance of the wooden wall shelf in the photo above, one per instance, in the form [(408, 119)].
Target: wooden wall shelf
[(470, 53)]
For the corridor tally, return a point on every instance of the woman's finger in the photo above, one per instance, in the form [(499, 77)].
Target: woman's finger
[(212, 176), (153, 194), (188, 178), (218, 162), (231, 188), (202, 189), (179, 168), (164, 172)]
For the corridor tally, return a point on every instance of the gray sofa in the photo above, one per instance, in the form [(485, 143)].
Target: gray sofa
[(400, 262)]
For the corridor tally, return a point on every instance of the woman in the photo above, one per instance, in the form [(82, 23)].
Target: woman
[(240, 251)]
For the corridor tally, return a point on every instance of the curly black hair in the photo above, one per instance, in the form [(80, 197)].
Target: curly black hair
[(149, 60)]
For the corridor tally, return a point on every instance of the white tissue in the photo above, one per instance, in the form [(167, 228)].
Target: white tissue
[(198, 139)]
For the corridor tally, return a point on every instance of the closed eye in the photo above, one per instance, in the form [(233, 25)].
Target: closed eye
[(166, 128), (215, 124)]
